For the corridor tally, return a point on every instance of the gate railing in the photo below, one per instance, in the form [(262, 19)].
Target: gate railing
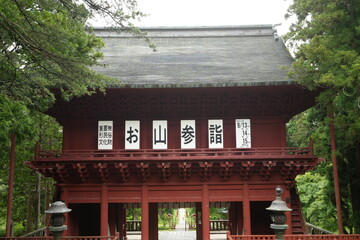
[(133, 225), (219, 225), (37, 233), (312, 229)]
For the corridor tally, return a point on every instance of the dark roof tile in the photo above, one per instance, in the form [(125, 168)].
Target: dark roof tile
[(197, 57)]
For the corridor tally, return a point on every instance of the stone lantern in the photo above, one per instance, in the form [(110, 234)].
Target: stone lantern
[(57, 209), (278, 208)]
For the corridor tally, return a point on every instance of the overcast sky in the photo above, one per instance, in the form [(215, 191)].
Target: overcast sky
[(213, 12)]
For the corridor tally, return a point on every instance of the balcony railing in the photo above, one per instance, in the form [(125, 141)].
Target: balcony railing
[(174, 154), (295, 237), (229, 237), (116, 237)]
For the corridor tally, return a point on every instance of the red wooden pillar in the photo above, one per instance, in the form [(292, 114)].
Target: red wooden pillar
[(236, 218), (287, 199), (124, 221), (246, 210), (144, 213), (104, 211), (240, 221), (153, 221), (121, 220), (205, 212), (112, 218), (233, 218), (198, 220), (68, 220)]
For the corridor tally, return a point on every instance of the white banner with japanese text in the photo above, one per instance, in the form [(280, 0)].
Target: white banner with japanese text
[(132, 134), (160, 134), (216, 133), (243, 133), (188, 134), (105, 135)]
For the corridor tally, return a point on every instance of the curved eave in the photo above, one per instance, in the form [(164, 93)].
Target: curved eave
[(205, 85)]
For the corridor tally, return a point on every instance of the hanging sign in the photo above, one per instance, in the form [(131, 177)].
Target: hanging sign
[(160, 133), (132, 134), (105, 135), (216, 133), (187, 134), (243, 133)]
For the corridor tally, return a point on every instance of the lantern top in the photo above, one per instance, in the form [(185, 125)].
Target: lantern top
[(58, 207), (278, 205)]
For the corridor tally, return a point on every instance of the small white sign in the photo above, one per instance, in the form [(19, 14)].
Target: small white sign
[(216, 133), (105, 135), (160, 134), (243, 133), (188, 134), (132, 134)]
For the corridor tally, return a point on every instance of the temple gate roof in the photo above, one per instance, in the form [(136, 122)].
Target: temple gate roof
[(188, 57)]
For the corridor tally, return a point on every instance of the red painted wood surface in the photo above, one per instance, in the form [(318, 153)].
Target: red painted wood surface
[(296, 237), (91, 179), (82, 133), (174, 165), (116, 237)]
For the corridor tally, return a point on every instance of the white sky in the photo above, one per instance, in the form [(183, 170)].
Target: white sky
[(213, 12)]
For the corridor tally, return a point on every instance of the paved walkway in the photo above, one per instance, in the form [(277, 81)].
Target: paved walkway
[(180, 232), (177, 235)]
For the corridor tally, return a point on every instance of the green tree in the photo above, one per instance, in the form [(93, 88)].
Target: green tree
[(47, 44), (47, 50), (326, 43), (316, 205), (30, 195)]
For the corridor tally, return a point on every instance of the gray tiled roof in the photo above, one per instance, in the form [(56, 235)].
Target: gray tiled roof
[(197, 57)]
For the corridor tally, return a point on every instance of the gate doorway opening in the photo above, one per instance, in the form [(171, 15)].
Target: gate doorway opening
[(178, 221), (260, 218)]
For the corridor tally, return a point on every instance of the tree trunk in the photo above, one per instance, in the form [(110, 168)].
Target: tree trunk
[(29, 214), (355, 192), (38, 212), (9, 223)]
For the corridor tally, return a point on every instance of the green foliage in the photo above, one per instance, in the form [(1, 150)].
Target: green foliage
[(48, 133), (316, 189), (133, 214), (168, 218), (317, 206), (15, 118), (191, 217), (326, 43), (47, 51), (47, 44), (218, 214)]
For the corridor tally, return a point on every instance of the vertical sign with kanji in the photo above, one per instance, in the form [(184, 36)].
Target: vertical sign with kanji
[(105, 135), (160, 134), (187, 134), (216, 133), (132, 134), (243, 133)]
